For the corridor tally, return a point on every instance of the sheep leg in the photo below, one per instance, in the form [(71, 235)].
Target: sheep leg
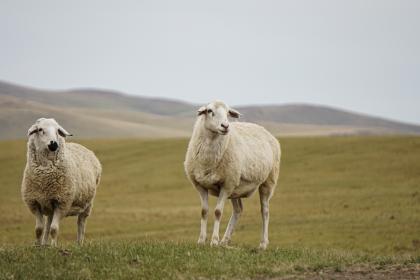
[(47, 229), (81, 226), (39, 226), (55, 225), (204, 197), (237, 210), (218, 216), (265, 194)]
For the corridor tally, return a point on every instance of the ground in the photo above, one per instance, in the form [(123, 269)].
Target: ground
[(344, 207), (180, 260)]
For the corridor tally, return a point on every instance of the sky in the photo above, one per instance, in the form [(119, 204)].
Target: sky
[(360, 55)]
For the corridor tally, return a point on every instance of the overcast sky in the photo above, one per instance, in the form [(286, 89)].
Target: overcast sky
[(358, 55)]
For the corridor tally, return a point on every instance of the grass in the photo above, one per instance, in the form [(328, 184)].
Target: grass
[(340, 201), (163, 260)]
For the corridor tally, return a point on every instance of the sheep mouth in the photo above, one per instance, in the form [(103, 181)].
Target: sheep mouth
[(223, 132), (51, 155)]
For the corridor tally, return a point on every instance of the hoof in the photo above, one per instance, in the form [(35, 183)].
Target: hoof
[(201, 241), (224, 243), (214, 242), (263, 245)]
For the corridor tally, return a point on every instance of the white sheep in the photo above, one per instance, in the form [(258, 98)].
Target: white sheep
[(60, 180), (231, 161)]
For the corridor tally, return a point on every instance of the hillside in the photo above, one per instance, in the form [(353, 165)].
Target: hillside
[(322, 115), (16, 116), (90, 113)]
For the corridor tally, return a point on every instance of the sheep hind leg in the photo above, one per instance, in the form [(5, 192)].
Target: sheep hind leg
[(81, 226), (237, 210), (265, 194)]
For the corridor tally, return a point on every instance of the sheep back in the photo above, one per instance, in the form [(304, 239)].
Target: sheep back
[(252, 155), (256, 151)]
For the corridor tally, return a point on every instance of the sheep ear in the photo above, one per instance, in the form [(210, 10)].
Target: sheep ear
[(234, 114), (33, 129), (201, 111), (63, 133)]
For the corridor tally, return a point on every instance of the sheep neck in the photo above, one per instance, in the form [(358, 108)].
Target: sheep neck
[(209, 147)]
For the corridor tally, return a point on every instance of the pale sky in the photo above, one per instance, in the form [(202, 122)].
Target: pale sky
[(360, 55)]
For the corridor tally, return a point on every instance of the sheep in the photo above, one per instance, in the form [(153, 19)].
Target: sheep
[(231, 161), (60, 180)]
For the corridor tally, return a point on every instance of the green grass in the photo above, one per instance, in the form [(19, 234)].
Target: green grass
[(340, 201), (159, 260)]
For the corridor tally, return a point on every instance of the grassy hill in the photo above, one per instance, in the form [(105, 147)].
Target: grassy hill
[(95, 98), (342, 204), (325, 116), (93, 113), (17, 115)]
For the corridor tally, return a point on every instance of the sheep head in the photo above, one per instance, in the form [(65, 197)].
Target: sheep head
[(216, 116), (47, 136)]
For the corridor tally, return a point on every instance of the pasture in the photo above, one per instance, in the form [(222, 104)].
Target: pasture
[(341, 203)]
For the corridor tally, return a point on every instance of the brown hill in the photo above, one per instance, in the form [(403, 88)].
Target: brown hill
[(102, 113)]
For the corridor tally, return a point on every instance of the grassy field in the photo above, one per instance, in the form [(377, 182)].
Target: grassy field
[(341, 202), (163, 260)]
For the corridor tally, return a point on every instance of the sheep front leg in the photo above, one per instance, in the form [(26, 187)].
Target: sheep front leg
[(47, 230), (55, 225), (218, 216), (39, 226), (204, 197)]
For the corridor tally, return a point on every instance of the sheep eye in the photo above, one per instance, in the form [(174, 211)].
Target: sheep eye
[(40, 130), (209, 111)]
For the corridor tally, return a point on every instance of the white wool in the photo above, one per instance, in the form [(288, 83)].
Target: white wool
[(58, 184), (232, 165)]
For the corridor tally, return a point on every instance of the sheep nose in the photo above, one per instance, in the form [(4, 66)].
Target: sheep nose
[(225, 125), (52, 146)]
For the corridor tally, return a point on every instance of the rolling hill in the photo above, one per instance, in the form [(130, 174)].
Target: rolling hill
[(95, 113)]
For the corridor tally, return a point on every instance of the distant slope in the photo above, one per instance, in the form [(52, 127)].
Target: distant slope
[(322, 115), (96, 98), (92, 113), (16, 116)]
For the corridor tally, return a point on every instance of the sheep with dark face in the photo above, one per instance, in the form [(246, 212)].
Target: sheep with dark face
[(60, 179), (231, 161)]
